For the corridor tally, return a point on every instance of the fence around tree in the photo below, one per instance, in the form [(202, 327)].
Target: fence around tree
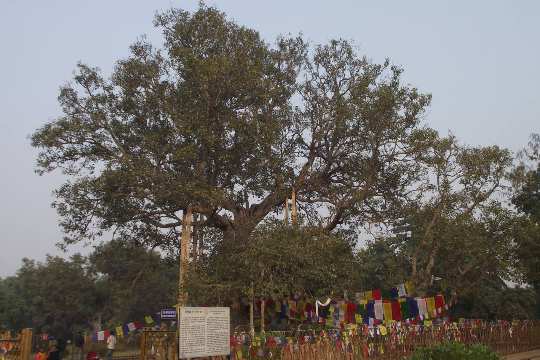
[(388, 343)]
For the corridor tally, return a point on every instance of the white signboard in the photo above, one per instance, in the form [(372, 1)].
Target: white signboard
[(204, 331)]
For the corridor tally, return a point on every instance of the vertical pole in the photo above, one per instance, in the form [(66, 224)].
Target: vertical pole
[(263, 304), (251, 315), (182, 268), (195, 240), (184, 256), (26, 344), (294, 213), (286, 212)]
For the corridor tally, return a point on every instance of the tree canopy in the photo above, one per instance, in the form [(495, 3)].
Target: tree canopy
[(224, 123)]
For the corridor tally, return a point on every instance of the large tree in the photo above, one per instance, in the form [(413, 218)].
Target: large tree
[(526, 198), (226, 124)]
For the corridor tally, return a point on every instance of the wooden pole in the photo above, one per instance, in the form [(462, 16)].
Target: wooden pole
[(184, 256), (182, 270), (26, 344), (195, 240), (294, 213), (263, 302), (251, 315), (286, 212)]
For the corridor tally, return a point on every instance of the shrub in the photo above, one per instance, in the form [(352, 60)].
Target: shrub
[(455, 351)]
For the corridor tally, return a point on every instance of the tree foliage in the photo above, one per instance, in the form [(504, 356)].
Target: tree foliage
[(455, 197), (227, 124), (280, 260), (114, 285), (526, 198), (132, 281), (55, 297)]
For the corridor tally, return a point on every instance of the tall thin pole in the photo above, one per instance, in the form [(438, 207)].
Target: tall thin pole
[(294, 213), (286, 212), (251, 308), (263, 303), (184, 256), (195, 239)]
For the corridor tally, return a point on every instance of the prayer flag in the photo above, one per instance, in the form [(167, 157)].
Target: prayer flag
[(119, 332), (351, 310), (377, 294), (342, 311), (396, 310), (387, 308), (148, 319), (409, 287), (430, 301), (379, 310), (422, 308), (402, 292), (371, 309), (404, 307), (413, 308), (101, 335), (439, 303), (368, 295)]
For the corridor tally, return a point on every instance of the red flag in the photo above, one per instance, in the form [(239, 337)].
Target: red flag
[(439, 303), (396, 310)]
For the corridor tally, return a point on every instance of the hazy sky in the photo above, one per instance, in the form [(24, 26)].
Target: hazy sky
[(479, 59)]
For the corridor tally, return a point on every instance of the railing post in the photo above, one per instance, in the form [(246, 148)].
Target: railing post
[(26, 344), (143, 346)]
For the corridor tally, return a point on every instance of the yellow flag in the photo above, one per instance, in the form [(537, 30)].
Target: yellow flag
[(387, 309), (368, 295), (430, 301), (409, 287), (119, 332)]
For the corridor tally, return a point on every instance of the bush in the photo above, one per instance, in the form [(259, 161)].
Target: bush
[(455, 351)]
